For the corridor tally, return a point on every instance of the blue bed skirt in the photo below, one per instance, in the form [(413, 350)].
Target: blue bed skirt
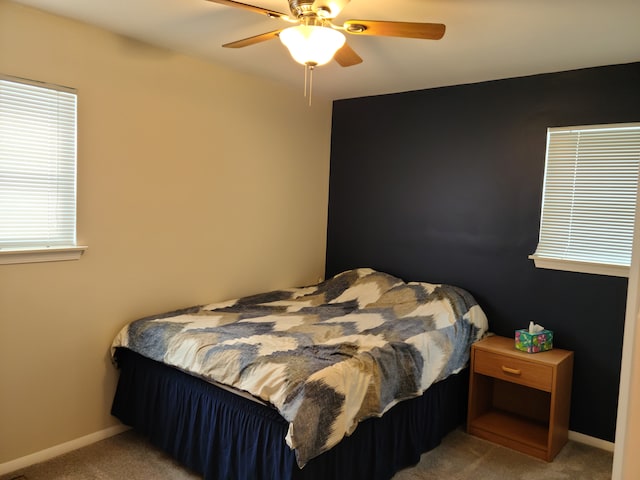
[(224, 436)]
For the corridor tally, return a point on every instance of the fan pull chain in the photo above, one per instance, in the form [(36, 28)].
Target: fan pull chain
[(310, 83), (308, 80)]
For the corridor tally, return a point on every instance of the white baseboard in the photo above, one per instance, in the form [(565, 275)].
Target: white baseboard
[(57, 450), (591, 441)]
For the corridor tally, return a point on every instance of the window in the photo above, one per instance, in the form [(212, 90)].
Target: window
[(37, 172), (589, 199)]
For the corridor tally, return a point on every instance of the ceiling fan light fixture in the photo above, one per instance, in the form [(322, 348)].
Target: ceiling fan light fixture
[(312, 44)]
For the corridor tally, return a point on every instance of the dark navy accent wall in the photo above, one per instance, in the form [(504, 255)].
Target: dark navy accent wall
[(444, 186)]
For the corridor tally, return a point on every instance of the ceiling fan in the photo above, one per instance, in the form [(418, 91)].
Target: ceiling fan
[(316, 40)]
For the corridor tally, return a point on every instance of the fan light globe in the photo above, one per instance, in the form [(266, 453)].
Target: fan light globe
[(312, 45)]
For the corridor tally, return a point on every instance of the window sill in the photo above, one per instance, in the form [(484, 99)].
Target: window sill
[(35, 255), (580, 267)]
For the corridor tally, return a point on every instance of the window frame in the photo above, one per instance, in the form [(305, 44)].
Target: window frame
[(585, 266), (57, 250)]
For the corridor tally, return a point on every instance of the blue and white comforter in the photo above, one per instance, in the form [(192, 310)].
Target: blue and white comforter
[(326, 356)]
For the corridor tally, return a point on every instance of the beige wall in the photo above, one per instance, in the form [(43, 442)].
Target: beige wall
[(196, 184)]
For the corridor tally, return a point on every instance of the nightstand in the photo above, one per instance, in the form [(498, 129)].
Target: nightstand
[(520, 400)]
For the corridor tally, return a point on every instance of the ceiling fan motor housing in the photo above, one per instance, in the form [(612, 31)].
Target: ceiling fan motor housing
[(301, 7), (304, 8)]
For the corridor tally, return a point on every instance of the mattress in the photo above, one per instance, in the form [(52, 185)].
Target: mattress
[(325, 357)]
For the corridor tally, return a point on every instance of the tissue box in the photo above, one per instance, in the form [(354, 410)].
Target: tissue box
[(534, 342)]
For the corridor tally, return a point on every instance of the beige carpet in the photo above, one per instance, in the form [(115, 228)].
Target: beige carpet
[(460, 457)]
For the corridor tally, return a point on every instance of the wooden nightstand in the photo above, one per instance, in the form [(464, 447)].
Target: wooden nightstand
[(520, 400)]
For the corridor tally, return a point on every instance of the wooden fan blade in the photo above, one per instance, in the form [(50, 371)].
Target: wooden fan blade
[(252, 8), (245, 42), (346, 56), (427, 31)]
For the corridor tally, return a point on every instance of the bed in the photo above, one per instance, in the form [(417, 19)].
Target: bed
[(353, 377)]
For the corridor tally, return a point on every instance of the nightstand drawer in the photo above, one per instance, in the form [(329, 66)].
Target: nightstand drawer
[(514, 370)]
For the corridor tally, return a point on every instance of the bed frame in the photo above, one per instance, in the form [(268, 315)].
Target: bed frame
[(225, 436)]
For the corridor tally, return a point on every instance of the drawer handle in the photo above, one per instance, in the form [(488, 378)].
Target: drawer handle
[(513, 371)]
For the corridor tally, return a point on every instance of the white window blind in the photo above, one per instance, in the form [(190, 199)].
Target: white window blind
[(589, 198), (37, 165)]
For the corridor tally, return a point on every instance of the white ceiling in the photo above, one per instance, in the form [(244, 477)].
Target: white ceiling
[(484, 40)]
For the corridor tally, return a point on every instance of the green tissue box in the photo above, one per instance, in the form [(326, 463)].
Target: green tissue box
[(534, 342)]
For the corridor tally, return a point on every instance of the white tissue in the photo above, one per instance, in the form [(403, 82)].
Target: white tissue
[(535, 328)]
